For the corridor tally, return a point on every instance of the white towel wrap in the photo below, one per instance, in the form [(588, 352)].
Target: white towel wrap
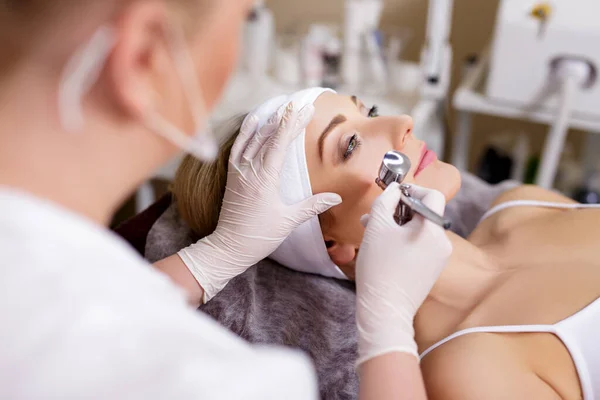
[(304, 250)]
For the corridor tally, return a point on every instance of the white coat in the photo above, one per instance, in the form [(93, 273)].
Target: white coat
[(83, 316)]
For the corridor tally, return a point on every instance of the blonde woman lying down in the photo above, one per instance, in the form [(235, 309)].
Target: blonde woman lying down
[(515, 313)]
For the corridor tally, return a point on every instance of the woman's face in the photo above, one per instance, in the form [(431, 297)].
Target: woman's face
[(345, 144)]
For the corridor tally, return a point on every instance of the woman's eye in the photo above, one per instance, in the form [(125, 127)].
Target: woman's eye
[(373, 112), (353, 144)]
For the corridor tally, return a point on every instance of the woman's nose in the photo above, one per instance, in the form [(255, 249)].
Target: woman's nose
[(406, 126), (400, 128)]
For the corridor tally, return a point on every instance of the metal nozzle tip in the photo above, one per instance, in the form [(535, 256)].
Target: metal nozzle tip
[(394, 168)]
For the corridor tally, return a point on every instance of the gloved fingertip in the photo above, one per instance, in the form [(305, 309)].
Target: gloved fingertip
[(432, 198), (307, 112), (287, 115), (281, 110), (390, 198), (273, 119), (364, 220), (289, 107), (305, 115), (392, 187), (277, 116), (250, 123), (331, 199), (320, 203), (269, 128)]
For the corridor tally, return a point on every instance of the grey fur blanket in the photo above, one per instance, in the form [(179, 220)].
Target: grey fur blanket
[(272, 304)]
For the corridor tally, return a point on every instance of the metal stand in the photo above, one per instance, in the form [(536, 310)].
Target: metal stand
[(469, 98), (462, 139)]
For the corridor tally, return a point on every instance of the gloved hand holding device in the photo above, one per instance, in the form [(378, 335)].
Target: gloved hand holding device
[(254, 221), (396, 269)]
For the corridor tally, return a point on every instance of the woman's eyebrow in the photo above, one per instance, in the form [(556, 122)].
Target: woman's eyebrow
[(337, 120), (357, 102)]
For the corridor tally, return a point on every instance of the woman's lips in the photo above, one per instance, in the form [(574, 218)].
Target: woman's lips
[(427, 157)]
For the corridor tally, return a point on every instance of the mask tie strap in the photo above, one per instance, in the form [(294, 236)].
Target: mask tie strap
[(85, 66), (81, 73), (184, 64)]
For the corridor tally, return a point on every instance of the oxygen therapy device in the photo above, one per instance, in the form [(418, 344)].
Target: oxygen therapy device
[(545, 55), (394, 168)]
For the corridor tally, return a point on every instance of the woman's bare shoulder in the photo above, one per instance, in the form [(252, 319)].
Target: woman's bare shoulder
[(481, 366), (506, 220), (531, 192)]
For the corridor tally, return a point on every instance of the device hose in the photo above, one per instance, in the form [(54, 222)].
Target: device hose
[(573, 75)]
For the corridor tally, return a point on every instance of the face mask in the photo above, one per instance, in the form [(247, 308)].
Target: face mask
[(83, 71)]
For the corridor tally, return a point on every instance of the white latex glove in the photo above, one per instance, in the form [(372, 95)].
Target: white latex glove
[(253, 220), (396, 269)]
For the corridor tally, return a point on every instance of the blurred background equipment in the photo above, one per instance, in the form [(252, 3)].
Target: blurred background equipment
[(259, 37), (541, 66), (354, 56), (522, 65)]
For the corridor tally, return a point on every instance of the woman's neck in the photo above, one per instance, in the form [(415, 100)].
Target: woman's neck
[(90, 173), (469, 276)]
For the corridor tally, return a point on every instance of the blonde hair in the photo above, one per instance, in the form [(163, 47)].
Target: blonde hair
[(199, 187)]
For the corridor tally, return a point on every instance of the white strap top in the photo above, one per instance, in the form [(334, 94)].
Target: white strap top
[(580, 332), (535, 203)]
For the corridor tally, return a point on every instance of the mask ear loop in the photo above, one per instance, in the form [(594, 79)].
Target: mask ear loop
[(83, 70), (185, 64), (203, 145), (80, 74)]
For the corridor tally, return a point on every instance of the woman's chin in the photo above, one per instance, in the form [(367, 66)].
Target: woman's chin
[(441, 176), (455, 180)]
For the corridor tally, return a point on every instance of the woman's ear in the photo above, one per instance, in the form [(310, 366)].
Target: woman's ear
[(340, 254), (140, 57)]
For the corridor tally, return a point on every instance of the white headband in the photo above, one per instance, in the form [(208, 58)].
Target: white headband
[(304, 250)]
